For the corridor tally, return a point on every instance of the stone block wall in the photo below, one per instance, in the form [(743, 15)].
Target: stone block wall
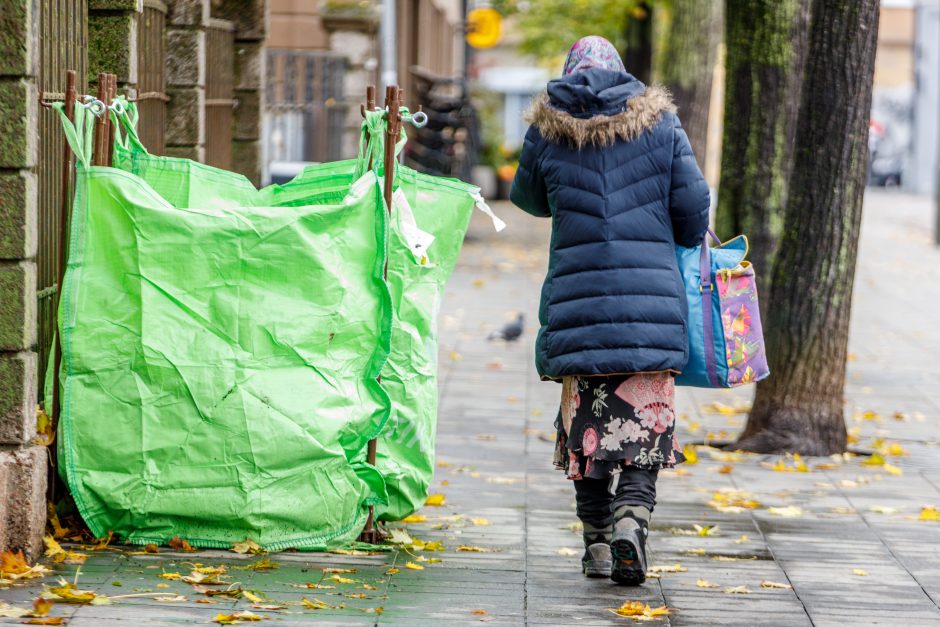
[(186, 78), (23, 466), (250, 18)]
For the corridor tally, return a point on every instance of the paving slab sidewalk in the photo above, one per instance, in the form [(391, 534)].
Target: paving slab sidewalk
[(506, 502)]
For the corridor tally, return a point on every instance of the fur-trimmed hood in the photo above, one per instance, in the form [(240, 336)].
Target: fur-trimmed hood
[(597, 107)]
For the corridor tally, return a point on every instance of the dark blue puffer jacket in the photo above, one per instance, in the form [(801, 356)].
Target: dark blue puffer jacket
[(607, 160)]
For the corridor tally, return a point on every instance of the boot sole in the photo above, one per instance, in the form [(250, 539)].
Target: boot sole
[(596, 569), (629, 567)]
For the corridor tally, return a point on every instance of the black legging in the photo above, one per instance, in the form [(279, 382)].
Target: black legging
[(596, 505)]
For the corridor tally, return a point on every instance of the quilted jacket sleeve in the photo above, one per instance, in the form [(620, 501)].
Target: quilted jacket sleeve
[(688, 194), (528, 187)]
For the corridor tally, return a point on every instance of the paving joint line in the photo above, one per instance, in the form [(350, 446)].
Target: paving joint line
[(882, 540), (773, 556)]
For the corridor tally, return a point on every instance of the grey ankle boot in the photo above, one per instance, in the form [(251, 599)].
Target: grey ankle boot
[(628, 552), (596, 561)]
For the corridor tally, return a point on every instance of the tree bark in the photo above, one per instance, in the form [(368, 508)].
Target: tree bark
[(638, 55), (765, 50), (800, 407), (688, 63)]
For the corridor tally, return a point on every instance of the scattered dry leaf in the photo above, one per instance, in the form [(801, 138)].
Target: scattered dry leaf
[(790, 511), (928, 512), (248, 546), (414, 518), (859, 572), (436, 500), (773, 585), (238, 617), (180, 544), (566, 551), (702, 583), (413, 566), (637, 610), (737, 590), (674, 568)]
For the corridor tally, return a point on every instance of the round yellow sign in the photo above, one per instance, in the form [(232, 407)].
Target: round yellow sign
[(484, 27)]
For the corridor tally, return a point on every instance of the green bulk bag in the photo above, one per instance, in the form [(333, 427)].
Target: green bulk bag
[(220, 362)]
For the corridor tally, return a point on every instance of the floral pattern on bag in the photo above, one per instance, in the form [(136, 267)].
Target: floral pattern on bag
[(740, 319)]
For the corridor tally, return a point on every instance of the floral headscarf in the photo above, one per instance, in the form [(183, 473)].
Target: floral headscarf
[(593, 52)]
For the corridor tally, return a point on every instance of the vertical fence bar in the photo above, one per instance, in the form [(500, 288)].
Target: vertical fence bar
[(64, 211), (101, 123)]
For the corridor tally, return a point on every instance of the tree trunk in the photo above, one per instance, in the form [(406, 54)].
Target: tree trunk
[(638, 55), (800, 407), (687, 65), (765, 50)]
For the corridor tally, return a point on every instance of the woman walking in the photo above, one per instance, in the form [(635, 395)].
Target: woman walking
[(606, 158)]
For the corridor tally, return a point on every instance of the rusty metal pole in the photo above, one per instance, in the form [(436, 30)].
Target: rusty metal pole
[(64, 217), (112, 94), (392, 129), (101, 124), (369, 106)]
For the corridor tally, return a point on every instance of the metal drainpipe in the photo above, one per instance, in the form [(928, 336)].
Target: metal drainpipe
[(389, 52)]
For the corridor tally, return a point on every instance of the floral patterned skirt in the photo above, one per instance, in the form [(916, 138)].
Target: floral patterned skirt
[(623, 420)]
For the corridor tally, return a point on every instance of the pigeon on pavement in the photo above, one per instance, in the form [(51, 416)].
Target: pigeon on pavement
[(511, 332)]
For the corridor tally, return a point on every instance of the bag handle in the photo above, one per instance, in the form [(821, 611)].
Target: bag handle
[(372, 142), (706, 288), (124, 113), (80, 133)]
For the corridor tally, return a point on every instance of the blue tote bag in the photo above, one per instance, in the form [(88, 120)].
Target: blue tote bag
[(726, 341)]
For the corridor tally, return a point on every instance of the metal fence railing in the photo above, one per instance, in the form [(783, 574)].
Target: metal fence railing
[(63, 32)]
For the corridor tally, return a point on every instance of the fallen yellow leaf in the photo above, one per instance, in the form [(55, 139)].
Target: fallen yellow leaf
[(702, 583), (737, 590), (790, 511), (480, 522), (392, 571), (928, 512), (859, 572), (774, 585), (413, 566), (638, 609), (472, 549), (892, 469), (238, 617), (567, 551), (316, 604), (744, 538), (14, 566), (725, 410), (248, 546), (414, 518), (674, 568), (436, 500), (691, 455), (340, 579), (706, 530)]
